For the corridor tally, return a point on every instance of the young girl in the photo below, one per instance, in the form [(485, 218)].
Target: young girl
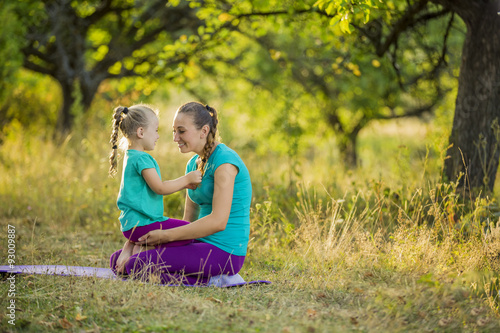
[(140, 199)]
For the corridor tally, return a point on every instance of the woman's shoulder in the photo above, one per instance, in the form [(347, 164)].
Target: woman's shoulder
[(223, 149), (224, 154)]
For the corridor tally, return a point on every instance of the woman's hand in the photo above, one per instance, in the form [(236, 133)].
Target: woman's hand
[(153, 237)]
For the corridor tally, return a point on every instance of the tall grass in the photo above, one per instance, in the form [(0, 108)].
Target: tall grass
[(390, 244)]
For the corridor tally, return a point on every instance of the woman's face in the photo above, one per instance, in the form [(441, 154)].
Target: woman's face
[(187, 136)]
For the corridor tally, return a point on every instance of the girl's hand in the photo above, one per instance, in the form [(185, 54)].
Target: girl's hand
[(194, 177), (153, 237)]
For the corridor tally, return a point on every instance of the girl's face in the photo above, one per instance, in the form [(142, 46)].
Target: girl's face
[(187, 136), (151, 133)]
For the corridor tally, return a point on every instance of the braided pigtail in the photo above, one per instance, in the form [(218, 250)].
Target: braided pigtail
[(207, 150), (117, 120)]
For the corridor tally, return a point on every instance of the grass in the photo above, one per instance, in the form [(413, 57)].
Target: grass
[(388, 250)]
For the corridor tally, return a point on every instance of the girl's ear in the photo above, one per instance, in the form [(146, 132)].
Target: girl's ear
[(140, 132)]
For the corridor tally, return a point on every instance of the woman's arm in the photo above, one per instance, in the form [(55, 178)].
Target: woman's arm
[(216, 221), (169, 186), (191, 210)]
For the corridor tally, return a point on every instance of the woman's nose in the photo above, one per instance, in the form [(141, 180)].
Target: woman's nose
[(176, 137)]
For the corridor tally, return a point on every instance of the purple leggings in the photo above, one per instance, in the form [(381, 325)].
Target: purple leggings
[(192, 263), (137, 232)]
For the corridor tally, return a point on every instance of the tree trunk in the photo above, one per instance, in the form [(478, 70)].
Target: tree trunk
[(475, 150), (65, 118), (348, 152), (89, 84)]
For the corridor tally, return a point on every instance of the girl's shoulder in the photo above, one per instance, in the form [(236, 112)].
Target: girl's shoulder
[(140, 157)]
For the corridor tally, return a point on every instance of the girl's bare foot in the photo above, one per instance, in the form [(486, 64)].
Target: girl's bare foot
[(127, 252)]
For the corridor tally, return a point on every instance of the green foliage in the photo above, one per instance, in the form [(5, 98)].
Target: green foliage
[(388, 246), (32, 103), (345, 249), (336, 82), (305, 78), (10, 43), (344, 13)]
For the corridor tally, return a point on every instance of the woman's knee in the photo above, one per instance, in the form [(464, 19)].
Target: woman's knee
[(141, 261), (133, 265)]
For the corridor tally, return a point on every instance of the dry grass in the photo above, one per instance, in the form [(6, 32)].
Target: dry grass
[(344, 254)]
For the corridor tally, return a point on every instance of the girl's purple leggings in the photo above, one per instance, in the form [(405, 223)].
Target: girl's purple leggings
[(135, 233), (192, 263)]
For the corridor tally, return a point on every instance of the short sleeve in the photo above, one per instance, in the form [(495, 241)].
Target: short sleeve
[(145, 161), (226, 157)]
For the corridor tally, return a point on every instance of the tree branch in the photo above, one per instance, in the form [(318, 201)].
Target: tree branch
[(282, 12), (30, 50), (37, 68), (406, 21), (417, 111), (102, 10)]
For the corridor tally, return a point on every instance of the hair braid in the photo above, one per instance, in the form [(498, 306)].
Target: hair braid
[(207, 150), (113, 157)]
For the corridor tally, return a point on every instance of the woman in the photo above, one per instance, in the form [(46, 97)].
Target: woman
[(220, 215)]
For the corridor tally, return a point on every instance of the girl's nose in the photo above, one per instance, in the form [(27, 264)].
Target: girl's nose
[(176, 137)]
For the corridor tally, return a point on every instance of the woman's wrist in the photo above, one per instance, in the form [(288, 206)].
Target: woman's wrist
[(164, 237)]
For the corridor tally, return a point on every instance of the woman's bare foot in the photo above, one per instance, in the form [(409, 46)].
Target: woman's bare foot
[(127, 252)]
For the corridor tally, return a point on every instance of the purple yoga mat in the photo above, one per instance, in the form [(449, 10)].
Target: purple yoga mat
[(105, 273)]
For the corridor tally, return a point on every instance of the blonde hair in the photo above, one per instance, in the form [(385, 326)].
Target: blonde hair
[(203, 115), (127, 121)]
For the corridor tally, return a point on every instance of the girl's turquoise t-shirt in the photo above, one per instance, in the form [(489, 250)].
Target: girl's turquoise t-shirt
[(139, 204), (233, 239)]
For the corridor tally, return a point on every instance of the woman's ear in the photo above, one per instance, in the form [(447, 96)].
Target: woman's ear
[(204, 131)]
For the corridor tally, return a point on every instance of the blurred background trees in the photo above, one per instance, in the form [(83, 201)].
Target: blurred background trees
[(473, 144), (307, 70)]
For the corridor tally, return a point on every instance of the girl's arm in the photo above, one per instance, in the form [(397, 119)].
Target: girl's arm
[(191, 210), (216, 221), (169, 186)]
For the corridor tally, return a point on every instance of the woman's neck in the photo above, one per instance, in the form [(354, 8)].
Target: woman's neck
[(200, 153)]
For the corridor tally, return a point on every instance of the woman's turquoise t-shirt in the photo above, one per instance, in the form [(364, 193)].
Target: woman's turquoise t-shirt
[(139, 204), (233, 239)]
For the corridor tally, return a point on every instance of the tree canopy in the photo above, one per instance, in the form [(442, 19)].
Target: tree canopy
[(474, 142), (347, 62)]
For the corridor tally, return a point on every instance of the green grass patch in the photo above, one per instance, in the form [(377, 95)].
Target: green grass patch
[(346, 250)]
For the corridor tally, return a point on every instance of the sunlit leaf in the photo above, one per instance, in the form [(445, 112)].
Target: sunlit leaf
[(345, 24), (225, 17)]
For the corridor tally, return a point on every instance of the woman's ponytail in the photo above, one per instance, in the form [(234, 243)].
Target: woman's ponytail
[(207, 150)]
